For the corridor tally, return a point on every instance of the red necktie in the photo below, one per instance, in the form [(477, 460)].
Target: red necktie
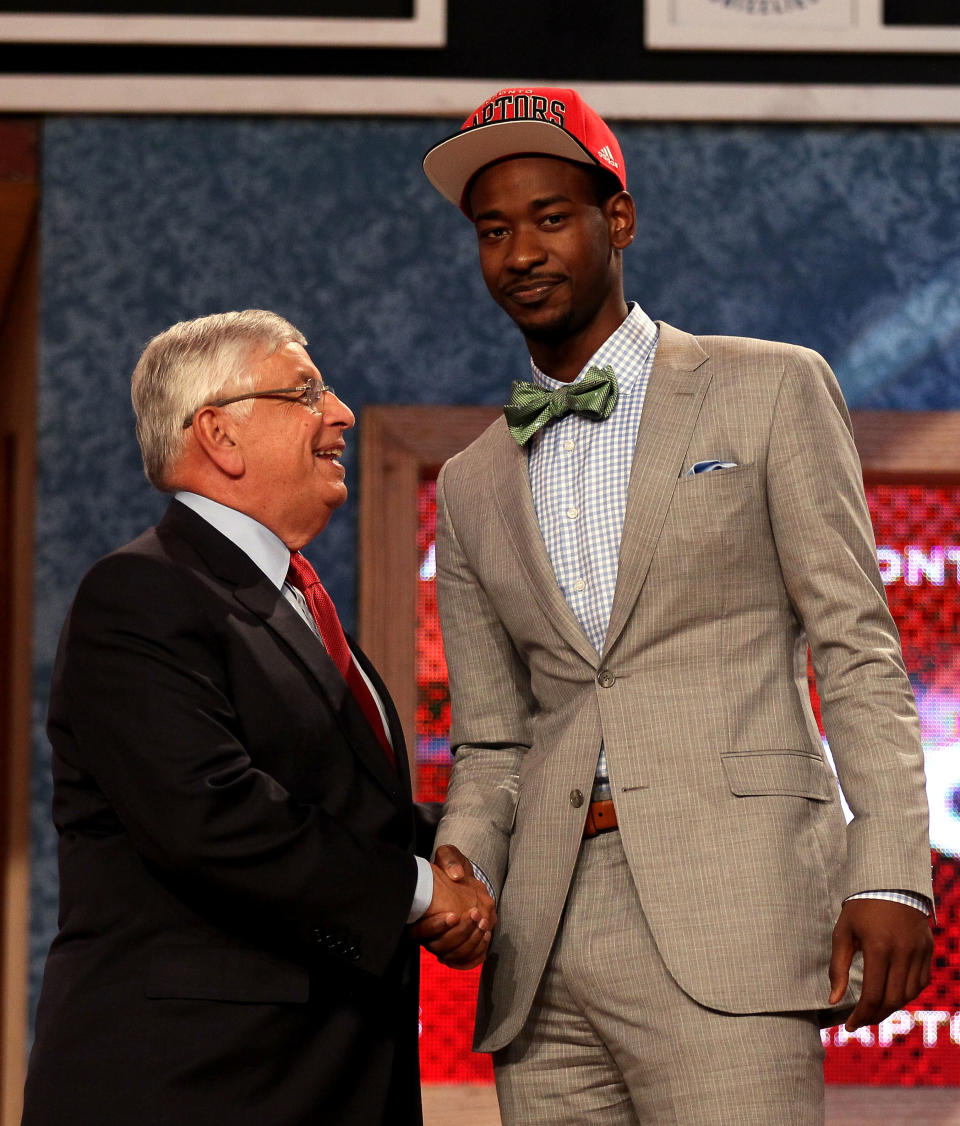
[(305, 579)]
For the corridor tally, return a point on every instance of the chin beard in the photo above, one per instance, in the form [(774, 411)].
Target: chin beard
[(547, 332)]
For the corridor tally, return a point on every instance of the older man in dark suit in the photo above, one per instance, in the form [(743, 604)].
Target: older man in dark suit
[(240, 856)]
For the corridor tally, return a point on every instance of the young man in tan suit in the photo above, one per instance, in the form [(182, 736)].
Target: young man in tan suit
[(631, 566)]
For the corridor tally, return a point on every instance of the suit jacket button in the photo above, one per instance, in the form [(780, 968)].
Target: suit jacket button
[(605, 678), (576, 798)]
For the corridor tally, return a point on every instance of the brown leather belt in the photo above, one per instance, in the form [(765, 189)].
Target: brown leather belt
[(601, 818)]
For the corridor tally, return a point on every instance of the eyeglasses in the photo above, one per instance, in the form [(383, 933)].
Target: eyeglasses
[(310, 393)]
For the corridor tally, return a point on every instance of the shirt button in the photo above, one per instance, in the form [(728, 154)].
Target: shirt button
[(573, 512), (579, 585), (576, 798), (605, 678), (569, 444)]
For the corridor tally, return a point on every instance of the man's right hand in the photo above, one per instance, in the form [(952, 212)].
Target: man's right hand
[(458, 924)]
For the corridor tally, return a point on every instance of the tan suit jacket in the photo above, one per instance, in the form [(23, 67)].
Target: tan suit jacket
[(728, 811)]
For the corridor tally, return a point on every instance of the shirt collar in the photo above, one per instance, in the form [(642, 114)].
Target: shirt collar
[(636, 336), (267, 550)]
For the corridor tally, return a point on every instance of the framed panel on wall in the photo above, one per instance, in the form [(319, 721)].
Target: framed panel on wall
[(911, 465), (803, 25), (290, 23)]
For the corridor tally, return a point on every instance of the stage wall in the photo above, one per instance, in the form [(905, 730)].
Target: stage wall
[(841, 238)]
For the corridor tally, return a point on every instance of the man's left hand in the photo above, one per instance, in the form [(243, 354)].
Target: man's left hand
[(897, 950)]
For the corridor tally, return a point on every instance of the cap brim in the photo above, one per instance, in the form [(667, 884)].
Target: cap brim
[(450, 165)]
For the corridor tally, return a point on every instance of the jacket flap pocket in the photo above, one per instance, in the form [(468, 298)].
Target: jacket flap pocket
[(792, 773), (206, 973)]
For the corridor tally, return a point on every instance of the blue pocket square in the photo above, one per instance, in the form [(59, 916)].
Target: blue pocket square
[(709, 467)]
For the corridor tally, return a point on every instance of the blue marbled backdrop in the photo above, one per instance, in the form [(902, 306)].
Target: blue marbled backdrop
[(845, 239)]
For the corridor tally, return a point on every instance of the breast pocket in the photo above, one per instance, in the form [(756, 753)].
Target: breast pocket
[(716, 527)]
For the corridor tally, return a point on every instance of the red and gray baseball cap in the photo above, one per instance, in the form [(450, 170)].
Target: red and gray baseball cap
[(517, 121)]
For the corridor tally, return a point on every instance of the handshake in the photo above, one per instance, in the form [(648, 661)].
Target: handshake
[(458, 924)]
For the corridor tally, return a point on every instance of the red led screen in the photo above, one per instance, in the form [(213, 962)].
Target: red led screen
[(918, 537)]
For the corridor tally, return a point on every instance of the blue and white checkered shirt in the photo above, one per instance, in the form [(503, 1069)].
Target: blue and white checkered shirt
[(579, 477)]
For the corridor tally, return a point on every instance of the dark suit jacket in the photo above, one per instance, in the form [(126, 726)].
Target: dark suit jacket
[(236, 861)]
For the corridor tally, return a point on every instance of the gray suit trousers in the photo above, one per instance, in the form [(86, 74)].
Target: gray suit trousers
[(612, 1039)]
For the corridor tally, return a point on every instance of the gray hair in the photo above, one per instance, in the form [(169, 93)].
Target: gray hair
[(191, 364)]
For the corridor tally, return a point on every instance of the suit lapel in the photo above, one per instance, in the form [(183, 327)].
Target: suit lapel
[(272, 608), (254, 591), (511, 486), (678, 383)]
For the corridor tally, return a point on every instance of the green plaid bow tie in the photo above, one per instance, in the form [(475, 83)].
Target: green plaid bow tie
[(531, 407)]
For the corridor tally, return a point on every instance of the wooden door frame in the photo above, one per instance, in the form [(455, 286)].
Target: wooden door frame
[(18, 329)]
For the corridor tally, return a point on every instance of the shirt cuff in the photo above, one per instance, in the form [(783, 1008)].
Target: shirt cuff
[(907, 898), (423, 894), (479, 874)]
